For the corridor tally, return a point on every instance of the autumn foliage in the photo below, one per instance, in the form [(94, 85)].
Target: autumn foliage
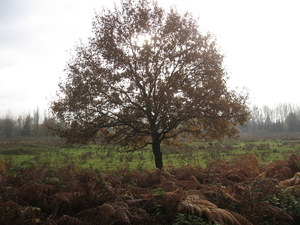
[(147, 76), (241, 192)]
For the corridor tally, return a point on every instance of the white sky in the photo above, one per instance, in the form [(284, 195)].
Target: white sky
[(260, 38)]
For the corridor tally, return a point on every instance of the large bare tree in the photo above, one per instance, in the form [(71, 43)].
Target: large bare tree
[(147, 76)]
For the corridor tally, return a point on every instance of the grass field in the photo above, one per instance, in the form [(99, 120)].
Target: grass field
[(52, 152)]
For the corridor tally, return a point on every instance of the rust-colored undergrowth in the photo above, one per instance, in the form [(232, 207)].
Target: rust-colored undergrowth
[(240, 192)]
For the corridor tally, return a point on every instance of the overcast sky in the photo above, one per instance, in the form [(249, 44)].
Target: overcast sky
[(260, 38)]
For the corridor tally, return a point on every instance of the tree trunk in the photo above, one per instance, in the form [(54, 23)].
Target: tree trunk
[(157, 154)]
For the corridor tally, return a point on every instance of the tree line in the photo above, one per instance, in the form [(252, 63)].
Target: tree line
[(30, 125), (283, 117)]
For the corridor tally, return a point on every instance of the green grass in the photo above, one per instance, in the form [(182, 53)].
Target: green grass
[(49, 152)]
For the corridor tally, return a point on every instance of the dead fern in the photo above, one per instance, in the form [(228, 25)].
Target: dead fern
[(266, 187), (242, 220), (170, 201), (294, 163), (121, 216), (278, 170), (121, 212), (209, 211), (69, 220), (10, 213), (61, 203), (241, 192), (3, 168), (236, 175), (37, 194), (223, 198), (106, 213), (276, 213), (87, 214), (295, 180), (29, 212)]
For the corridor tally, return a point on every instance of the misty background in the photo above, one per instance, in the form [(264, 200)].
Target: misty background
[(260, 40)]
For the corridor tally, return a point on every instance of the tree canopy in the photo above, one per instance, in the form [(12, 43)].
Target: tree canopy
[(147, 76)]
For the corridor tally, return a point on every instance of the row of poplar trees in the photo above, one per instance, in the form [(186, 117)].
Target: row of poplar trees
[(30, 125), (282, 117)]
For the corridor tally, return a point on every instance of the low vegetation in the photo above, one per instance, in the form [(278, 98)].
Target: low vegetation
[(53, 152), (242, 182)]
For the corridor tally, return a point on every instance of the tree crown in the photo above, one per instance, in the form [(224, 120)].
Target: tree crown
[(147, 74)]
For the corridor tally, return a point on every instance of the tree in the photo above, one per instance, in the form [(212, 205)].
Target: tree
[(293, 122), (26, 132), (36, 116), (8, 125), (147, 76)]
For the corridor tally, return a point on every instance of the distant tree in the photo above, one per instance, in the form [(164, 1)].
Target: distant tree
[(268, 124), (48, 122), (36, 116), (147, 76), (26, 132), (278, 126), (8, 126), (293, 122)]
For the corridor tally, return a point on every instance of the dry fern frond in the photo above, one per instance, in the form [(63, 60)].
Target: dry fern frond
[(223, 216), (224, 198), (195, 194), (206, 203), (29, 212), (106, 189), (123, 198), (45, 188), (283, 173), (295, 180), (115, 181), (88, 213), (3, 168), (261, 176), (135, 202), (237, 174), (61, 202), (210, 212), (275, 212), (195, 181), (138, 216), (121, 215), (200, 207), (106, 212), (278, 170), (132, 215), (139, 192), (293, 163), (267, 186), (119, 205), (141, 212), (165, 174), (170, 200), (50, 222), (11, 209), (247, 164), (37, 194), (121, 211), (296, 175), (204, 211), (241, 219), (69, 220), (241, 192), (186, 207)]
